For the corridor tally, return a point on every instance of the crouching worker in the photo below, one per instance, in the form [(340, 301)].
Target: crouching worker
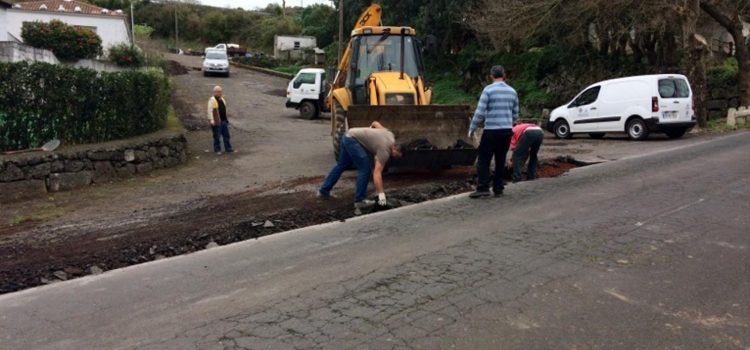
[(358, 145), (525, 144)]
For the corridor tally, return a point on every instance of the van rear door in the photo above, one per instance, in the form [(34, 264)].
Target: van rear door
[(675, 100)]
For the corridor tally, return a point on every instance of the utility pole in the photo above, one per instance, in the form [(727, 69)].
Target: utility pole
[(341, 30), (283, 8), (176, 30), (132, 25)]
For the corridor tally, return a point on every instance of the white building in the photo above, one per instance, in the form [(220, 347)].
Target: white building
[(4, 6), (292, 47), (111, 26)]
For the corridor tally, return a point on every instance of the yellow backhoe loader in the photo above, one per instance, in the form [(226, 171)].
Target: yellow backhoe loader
[(381, 77)]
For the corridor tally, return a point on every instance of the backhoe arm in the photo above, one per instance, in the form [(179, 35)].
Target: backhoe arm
[(369, 18)]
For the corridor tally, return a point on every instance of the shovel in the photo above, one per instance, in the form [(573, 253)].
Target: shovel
[(47, 147)]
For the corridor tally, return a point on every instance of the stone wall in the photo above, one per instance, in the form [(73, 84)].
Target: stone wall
[(29, 175), (719, 102), (11, 52)]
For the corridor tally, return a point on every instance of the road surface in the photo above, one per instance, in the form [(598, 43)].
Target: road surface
[(649, 252)]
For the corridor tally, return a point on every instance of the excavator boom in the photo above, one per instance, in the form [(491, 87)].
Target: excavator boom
[(369, 18)]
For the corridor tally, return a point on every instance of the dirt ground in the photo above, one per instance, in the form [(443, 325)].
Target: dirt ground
[(267, 186)]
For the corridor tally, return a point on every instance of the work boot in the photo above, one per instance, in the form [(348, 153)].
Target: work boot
[(364, 204), (498, 194), (480, 194), (324, 196)]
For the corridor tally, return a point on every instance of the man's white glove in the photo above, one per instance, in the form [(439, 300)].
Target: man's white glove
[(381, 200), (471, 134)]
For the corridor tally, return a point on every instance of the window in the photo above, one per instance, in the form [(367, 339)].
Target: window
[(673, 88), (296, 45), (383, 54), (304, 78), (214, 55), (93, 29), (587, 97)]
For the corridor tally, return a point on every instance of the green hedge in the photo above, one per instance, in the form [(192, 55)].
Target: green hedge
[(125, 55), (67, 42), (39, 102)]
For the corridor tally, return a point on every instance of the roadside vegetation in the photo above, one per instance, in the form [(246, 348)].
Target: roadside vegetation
[(104, 107), (550, 51)]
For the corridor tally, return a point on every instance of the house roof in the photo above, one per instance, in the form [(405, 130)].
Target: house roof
[(70, 6), (5, 3)]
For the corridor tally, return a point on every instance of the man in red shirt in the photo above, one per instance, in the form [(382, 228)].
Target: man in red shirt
[(525, 144)]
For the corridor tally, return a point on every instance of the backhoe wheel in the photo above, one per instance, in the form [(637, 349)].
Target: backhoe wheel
[(308, 110), (339, 117)]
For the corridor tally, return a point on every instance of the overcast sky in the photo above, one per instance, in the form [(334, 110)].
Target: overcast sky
[(252, 4)]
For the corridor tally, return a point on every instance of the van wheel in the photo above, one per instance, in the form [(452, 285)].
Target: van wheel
[(637, 129), (597, 135), (562, 129), (675, 133), (307, 110)]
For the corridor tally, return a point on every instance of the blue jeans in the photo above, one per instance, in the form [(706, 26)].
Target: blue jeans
[(494, 144), (527, 148), (223, 132), (352, 153)]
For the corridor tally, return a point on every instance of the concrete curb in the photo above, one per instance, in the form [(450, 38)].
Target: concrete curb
[(262, 70)]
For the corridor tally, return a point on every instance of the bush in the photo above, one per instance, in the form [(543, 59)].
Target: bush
[(724, 76), (65, 41), (262, 61), (39, 102), (125, 55)]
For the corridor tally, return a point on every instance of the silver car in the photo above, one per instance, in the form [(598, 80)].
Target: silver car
[(216, 61)]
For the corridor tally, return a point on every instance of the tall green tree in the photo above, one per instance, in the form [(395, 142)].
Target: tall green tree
[(316, 22)]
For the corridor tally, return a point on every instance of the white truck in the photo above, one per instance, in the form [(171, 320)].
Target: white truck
[(307, 92), (232, 50)]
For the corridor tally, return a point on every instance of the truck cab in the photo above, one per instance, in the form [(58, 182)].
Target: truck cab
[(307, 92)]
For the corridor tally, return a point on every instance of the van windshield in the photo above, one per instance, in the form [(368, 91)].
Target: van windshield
[(673, 88)]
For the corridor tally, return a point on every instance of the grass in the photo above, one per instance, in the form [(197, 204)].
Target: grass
[(173, 124), (720, 126), (448, 91), (292, 69), (46, 214)]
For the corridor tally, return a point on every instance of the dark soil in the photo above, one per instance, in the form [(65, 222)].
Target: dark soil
[(175, 68), (220, 220), (276, 92)]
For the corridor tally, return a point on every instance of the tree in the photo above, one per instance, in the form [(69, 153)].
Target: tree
[(729, 15), (315, 22)]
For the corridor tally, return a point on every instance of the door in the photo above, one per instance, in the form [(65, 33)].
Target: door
[(675, 104), (584, 111), (304, 87)]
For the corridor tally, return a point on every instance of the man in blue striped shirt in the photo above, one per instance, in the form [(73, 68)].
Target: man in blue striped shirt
[(497, 110)]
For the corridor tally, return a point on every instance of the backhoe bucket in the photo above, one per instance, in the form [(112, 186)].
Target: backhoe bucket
[(435, 136)]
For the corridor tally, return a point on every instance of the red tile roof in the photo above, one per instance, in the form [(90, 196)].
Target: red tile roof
[(71, 6)]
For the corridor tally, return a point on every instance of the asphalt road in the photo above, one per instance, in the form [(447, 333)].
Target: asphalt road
[(649, 252)]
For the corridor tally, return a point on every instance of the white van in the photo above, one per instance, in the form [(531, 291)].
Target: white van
[(634, 105), (307, 92)]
